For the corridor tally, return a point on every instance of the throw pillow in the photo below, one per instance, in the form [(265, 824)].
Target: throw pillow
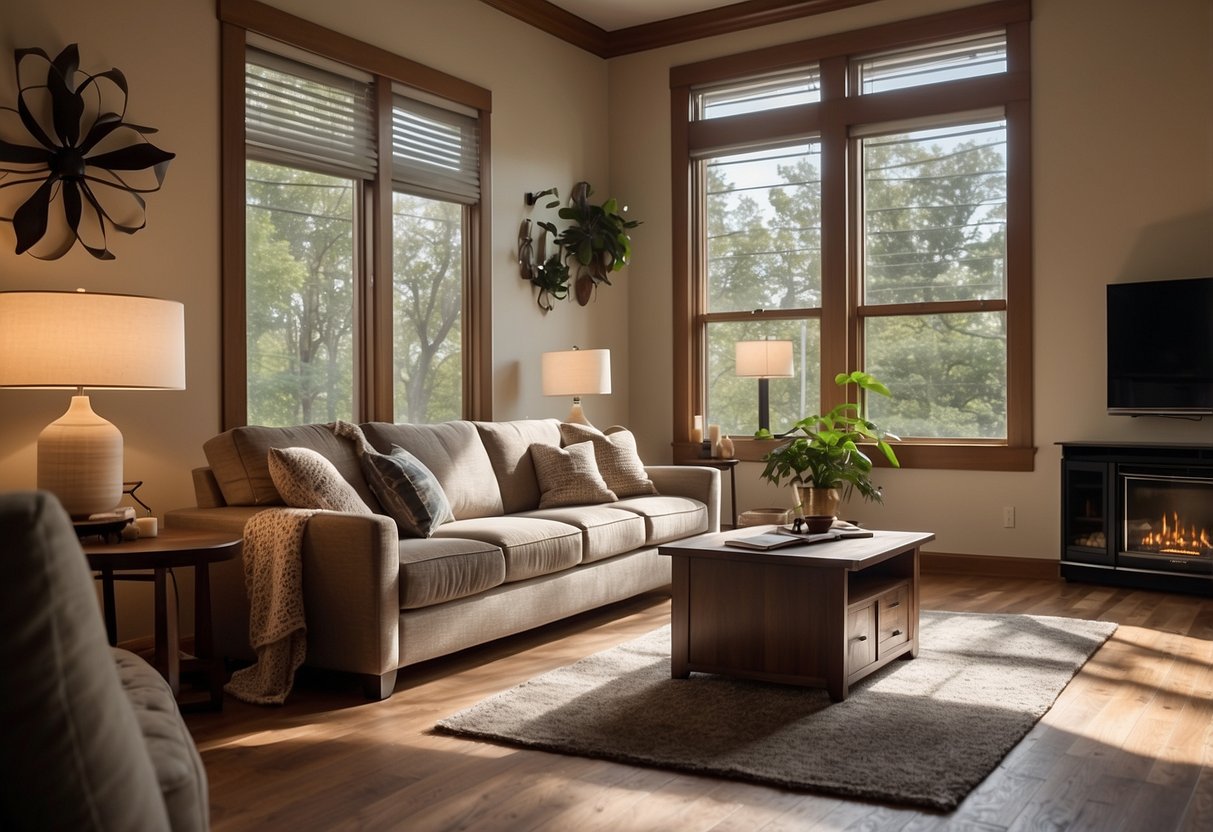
[(408, 491), (617, 458), (569, 476), (305, 479)]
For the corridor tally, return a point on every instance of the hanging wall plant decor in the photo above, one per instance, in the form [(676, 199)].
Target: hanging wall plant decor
[(87, 167), (596, 239)]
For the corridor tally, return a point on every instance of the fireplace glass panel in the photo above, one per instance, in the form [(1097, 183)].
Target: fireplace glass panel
[(1168, 519)]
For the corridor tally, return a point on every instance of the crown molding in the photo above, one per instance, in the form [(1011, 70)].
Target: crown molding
[(609, 44)]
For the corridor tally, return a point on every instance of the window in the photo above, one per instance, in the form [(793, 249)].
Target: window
[(763, 214), (435, 181), (345, 167), (872, 207)]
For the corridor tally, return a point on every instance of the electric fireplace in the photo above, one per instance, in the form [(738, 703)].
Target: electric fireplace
[(1167, 522), (1139, 515)]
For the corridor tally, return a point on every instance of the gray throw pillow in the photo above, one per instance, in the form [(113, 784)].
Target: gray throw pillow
[(408, 491), (306, 479), (569, 476), (616, 455)]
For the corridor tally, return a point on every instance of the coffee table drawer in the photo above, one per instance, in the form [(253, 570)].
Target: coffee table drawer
[(893, 616), (861, 637)]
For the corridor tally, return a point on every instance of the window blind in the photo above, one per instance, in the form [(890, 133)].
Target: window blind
[(435, 151), (300, 115)]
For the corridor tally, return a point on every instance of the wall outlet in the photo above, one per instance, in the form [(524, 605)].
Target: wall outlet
[(1008, 517)]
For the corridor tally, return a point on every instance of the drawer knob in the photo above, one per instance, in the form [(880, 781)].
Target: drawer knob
[(894, 604), (861, 638), (897, 632)]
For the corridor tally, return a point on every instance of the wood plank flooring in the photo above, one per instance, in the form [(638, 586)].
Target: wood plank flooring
[(1128, 745)]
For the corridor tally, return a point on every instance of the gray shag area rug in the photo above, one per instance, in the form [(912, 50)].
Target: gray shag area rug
[(921, 732)]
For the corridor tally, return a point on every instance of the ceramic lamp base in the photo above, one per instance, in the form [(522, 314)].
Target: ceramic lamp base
[(80, 460)]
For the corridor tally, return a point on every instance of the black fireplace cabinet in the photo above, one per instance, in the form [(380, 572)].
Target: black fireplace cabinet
[(1138, 515)]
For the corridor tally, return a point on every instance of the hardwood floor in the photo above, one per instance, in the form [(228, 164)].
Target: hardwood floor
[(1127, 746)]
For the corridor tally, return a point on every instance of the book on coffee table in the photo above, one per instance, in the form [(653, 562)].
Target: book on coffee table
[(778, 539)]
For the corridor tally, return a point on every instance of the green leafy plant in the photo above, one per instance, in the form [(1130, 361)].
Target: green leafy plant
[(827, 454), (552, 278), (597, 235)]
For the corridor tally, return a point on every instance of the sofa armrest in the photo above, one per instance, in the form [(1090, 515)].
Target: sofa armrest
[(351, 592), (206, 489), (698, 483), (351, 589)]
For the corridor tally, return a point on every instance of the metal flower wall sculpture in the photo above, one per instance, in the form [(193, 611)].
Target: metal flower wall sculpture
[(88, 167)]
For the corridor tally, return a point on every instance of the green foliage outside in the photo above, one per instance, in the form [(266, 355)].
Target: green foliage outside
[(300, 295), (300, 300), (934, 218)]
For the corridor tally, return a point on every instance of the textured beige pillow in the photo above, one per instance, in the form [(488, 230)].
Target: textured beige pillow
[(569, 476), (305, 479), (618, 461)]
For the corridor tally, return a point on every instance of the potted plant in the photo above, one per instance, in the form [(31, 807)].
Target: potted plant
[(596, 237), (825, 463)]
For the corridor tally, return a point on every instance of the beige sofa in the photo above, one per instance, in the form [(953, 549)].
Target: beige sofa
[(375, 603), (93, 738)]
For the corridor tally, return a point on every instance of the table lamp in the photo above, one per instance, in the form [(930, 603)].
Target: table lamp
[(88, 340), (577, 373), (764, 360)]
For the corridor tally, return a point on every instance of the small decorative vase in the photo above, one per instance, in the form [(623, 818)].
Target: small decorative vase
[(727, 449), (818, 502)]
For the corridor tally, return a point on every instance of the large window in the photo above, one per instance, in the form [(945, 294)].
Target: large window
[(354, 280), (865, 197)]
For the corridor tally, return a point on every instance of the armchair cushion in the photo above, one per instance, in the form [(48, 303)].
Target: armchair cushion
[(75, 755)]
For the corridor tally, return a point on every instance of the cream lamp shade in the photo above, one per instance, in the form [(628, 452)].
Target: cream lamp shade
[(576, 373), (78, 340), (763, 360)]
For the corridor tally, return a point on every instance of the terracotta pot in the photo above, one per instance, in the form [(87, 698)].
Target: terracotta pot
[(818, 502)]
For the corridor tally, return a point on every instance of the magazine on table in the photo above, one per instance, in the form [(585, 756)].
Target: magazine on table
[(788, 536)]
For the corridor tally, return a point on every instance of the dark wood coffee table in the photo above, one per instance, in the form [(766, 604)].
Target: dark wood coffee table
[(825, 614)]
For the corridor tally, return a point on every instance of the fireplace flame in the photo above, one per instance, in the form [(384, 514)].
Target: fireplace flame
[(1176, 539)]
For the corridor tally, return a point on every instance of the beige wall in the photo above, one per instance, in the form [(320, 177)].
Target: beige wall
[(1123, 177), (1123, 190), (549, 128)]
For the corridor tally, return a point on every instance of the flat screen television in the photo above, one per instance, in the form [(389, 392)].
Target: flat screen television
[(1160, 347)]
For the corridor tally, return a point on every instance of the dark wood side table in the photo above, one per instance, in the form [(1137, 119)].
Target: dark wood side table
[(160, 554), (729, 465)]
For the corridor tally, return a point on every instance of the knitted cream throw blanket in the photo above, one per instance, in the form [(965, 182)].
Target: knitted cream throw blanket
[(273, 577)]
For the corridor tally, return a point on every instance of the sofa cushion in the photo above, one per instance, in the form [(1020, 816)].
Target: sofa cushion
[(178, 767), (569, 476), (616, 455), (305, 479), (606, 531), (438, 570), (240, 460), (408, 491), (454, 453), (531, 545), (667, 518), (508, 445)]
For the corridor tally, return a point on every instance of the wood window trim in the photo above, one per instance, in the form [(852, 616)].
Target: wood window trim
[(831, 119), (373, 380)]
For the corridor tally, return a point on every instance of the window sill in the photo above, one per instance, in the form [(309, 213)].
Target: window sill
[(911, 455)]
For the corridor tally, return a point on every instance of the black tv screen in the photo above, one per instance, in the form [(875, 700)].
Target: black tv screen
[(1160, 347)]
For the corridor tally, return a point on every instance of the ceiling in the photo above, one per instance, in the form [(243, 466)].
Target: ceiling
[(609, 28), (620, 14)]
